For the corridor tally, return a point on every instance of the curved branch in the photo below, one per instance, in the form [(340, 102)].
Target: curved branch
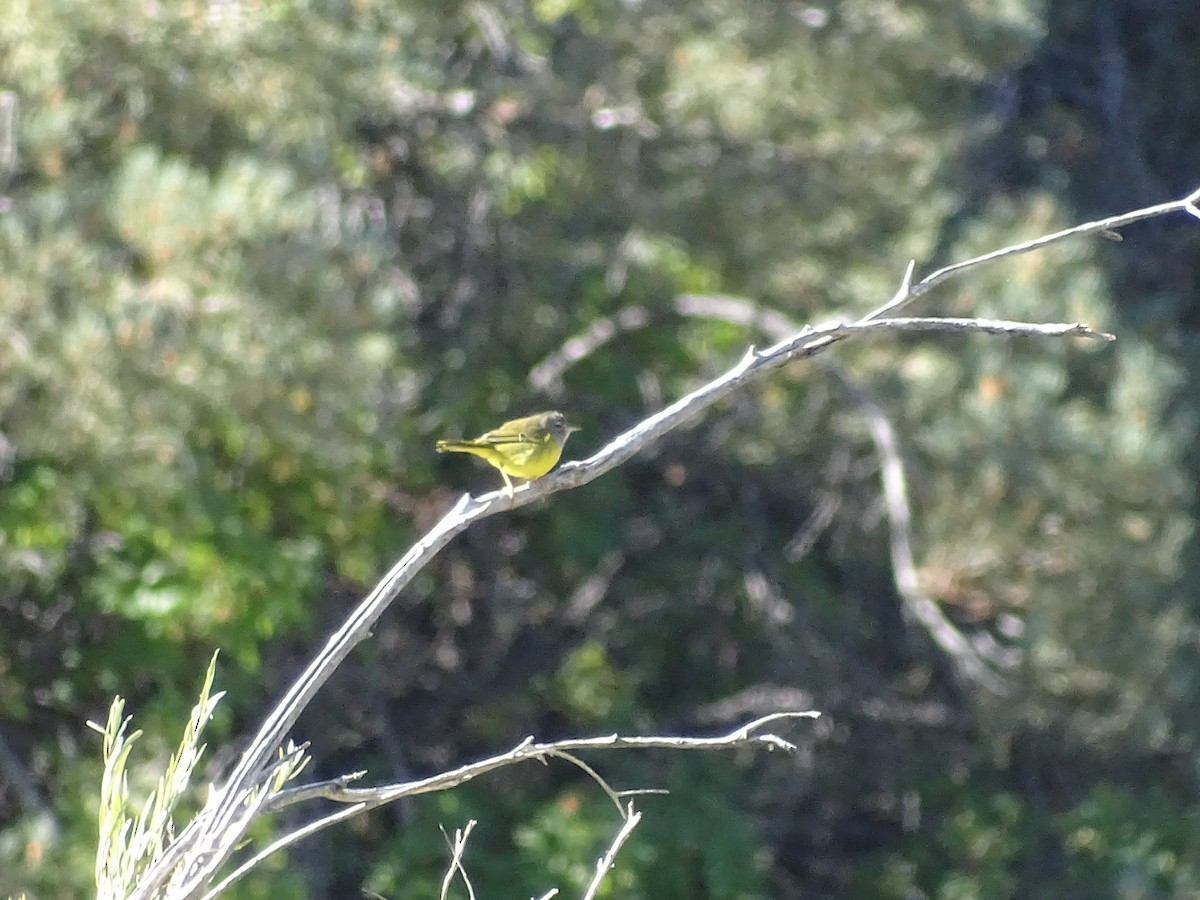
[(949, 639), (908, 293), (360, 800), (207, 842), (210, 838)]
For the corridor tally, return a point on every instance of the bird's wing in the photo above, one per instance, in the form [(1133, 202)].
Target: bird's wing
[(529, 434)]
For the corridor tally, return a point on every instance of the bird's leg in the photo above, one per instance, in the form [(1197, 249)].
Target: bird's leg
[(508, 481)]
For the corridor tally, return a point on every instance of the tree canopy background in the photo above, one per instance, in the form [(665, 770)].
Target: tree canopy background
[(256, 256)]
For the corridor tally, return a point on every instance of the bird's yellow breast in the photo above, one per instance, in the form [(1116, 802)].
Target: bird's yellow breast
[(527, 460)]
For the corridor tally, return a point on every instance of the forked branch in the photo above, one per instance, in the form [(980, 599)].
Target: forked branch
[(204, 846)]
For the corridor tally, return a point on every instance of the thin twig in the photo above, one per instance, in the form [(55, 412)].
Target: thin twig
[(457, 847), (606, 861), (907, 294), (292, 837), (591, 773), (748, 734), (359, 800)]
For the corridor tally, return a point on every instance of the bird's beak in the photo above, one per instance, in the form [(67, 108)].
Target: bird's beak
[(571, 429)]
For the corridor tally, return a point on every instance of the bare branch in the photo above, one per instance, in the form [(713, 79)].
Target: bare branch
[(457, 847), (359, 800), (591, 773), (293, 837), (549, 372), (906, 295), (904, 567), (191, 862), (548, 376), (227, 813), (892, 478), (316, 791), (606, 862), (745, 735)]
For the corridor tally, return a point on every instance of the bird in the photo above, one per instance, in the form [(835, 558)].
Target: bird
[(527, 448)]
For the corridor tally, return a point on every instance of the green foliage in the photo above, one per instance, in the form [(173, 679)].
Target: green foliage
[(1137, 843), (38, 522), (693, 842), (565, 837), (1114, 842), (689, 842), (589, 689), (130, 842)]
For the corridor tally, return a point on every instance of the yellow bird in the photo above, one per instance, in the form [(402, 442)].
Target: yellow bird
[(524, 448)]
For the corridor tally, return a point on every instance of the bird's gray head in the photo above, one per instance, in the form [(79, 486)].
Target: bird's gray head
[(560, 429)]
